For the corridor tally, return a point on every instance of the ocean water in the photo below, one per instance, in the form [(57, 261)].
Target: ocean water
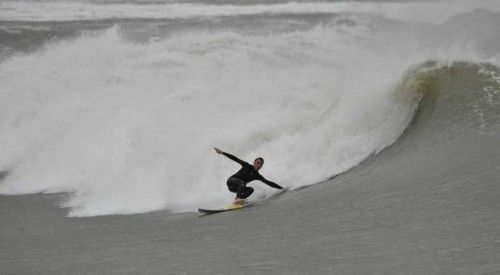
[(388, 112)]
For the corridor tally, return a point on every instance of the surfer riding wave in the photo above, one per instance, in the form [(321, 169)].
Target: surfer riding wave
[(237, 182)]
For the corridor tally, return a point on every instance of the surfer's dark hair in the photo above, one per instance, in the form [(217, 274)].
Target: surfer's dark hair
[(260, 159)]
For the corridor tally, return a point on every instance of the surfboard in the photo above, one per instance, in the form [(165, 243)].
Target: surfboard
[(229, 208), (246, 204)]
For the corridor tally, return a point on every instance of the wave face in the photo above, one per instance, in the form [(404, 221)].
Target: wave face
[(458, 97), (125, 121)]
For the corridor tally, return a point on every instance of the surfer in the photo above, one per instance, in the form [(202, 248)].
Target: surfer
[(237, 182)]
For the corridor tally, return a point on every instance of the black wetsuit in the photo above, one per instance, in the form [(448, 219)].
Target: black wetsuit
[(237, 182)]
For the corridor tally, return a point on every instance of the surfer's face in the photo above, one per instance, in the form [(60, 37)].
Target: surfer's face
[(257, 164)]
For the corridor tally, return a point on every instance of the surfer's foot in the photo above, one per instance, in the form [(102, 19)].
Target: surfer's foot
[(238, 201)]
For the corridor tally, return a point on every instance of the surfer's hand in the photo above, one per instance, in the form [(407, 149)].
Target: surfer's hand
[(219, 151)]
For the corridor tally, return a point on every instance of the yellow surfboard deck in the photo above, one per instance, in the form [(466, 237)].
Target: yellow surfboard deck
[(228, 208)]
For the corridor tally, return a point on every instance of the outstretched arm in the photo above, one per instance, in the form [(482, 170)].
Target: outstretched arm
[(270, 183), (219, 151)]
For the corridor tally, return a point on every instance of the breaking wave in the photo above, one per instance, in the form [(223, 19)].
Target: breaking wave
[(128, 127)]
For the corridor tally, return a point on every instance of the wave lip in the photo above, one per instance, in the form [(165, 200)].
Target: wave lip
[(457, 97)]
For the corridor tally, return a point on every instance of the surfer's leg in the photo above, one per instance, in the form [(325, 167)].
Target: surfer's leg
[(244, 192), (234, 184), (238, 186)]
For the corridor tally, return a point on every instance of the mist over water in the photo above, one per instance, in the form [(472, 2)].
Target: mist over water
[(128, 127)]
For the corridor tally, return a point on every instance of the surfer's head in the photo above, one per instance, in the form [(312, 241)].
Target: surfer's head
[(257, 163)]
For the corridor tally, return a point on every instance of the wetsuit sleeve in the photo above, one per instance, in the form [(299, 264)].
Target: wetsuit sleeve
[(235, 158), (270, 183)]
